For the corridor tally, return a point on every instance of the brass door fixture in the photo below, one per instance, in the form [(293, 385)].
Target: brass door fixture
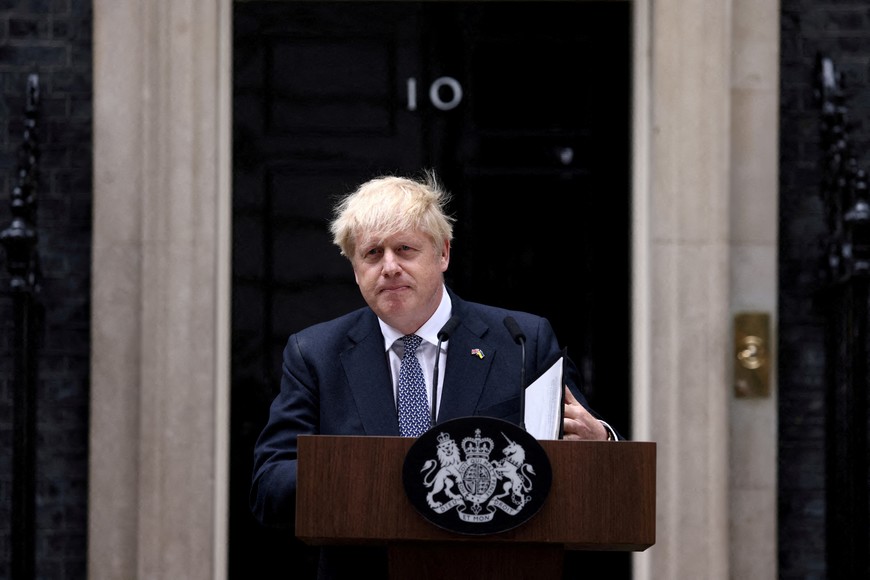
[(752, 354)]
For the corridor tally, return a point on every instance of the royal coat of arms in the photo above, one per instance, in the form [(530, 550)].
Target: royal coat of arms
[(482, 485)]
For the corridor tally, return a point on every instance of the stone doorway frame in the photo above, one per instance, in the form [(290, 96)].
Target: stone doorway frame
[(705, 151)]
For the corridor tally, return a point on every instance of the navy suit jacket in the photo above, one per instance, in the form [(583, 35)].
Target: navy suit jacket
[(336, 381)]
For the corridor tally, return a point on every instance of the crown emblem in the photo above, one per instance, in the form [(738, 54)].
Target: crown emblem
[(477, 447)]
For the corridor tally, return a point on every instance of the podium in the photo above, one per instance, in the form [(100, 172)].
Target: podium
[(350, 492)]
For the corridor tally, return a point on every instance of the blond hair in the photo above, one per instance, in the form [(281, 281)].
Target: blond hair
[(387, 205)]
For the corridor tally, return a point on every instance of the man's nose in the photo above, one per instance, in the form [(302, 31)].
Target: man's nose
[(390, 263)]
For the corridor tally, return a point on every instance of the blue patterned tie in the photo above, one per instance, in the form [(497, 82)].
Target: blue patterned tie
[(414, 414)]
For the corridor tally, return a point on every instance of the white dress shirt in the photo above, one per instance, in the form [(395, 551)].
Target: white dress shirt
[(425, 352)]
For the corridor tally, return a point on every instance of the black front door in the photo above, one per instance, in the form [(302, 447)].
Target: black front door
[(523, 110)]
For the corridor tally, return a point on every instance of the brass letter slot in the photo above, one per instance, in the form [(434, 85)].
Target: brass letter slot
[(752, 355)]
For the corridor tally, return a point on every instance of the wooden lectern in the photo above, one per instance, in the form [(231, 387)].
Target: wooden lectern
[(350, 491)]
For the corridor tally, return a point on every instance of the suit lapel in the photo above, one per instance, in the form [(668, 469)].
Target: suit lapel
[(370, 384), (465, 375), (466, 371)]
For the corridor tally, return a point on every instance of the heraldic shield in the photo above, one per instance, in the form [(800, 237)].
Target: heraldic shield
[(477, 475)]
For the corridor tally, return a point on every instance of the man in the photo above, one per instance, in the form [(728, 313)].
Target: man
[(340, 377)]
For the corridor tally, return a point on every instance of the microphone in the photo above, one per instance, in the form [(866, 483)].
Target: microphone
[(443, 335), (520, 339)]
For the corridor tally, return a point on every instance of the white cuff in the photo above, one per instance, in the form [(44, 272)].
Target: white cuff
[(611, 434)]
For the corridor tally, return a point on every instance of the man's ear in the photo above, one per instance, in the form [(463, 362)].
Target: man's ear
[(445, 255)]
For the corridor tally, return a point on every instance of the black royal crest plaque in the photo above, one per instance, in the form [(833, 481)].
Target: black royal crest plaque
[(477, 475)]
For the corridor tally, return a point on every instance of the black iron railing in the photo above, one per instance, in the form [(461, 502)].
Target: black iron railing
[(19, 240), (845, 273)]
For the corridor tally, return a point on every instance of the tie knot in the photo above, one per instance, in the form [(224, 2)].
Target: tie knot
[(412, 341)]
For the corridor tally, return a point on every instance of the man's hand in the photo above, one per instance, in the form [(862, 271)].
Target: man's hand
[(579, 424)]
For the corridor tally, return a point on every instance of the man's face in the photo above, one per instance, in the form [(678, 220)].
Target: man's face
[(401, 277)]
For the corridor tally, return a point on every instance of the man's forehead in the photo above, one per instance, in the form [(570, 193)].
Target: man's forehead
[(386, 239)]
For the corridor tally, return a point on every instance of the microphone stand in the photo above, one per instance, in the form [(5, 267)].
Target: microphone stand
[(520, 338), (435, 380), (443, 335), (522, 341)]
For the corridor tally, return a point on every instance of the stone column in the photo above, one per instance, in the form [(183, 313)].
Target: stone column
[(681, 276), (160, 290), (754, 226)]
